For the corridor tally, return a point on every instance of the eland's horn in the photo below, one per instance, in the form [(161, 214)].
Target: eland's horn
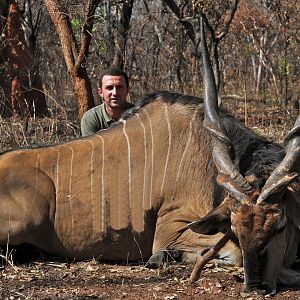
[(229, 177), (287, 170)]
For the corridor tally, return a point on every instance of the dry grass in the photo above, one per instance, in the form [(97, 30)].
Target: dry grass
[(17, 133), (269, 120)]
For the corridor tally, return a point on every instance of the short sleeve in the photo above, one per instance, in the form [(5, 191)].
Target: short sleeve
[(89, 123)]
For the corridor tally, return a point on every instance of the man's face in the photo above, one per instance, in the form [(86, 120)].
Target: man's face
[(113, 91)]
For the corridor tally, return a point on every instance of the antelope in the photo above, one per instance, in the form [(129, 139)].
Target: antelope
[(122, 194), (261, 205)]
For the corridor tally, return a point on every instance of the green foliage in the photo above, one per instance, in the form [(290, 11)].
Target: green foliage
[(284, 66), (75, 23), (247, 50), (103, 48), (76, 27)]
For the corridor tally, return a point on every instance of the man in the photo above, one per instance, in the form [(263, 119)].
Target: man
[(114, 88)]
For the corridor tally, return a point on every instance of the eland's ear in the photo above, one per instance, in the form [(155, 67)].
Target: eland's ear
[(218, 220)]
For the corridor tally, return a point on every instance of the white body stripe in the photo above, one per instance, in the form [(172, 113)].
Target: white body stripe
[(57, 167), (145, 156), (129, 163), (184, 152), (60, 221), (69, 196), (152, 156), (169, 147), (92, 167), (103, 204)]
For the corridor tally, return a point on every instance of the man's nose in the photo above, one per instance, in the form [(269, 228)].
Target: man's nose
[(114, 91)]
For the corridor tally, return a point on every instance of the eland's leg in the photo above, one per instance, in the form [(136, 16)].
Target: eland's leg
[(27, 208), (176, 238)]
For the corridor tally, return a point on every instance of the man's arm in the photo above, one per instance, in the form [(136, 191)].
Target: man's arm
[(89, 123)]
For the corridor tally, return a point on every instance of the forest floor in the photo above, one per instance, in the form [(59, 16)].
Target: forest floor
[(45, 279)]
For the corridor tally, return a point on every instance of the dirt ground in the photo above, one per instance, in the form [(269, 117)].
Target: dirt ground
[(44, 279)]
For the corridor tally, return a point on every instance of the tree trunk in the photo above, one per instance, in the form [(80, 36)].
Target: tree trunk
[(121, 34), (5, 105), (23, 85), (75, 58)]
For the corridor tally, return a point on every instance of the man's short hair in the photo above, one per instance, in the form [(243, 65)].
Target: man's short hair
[(114, 72)]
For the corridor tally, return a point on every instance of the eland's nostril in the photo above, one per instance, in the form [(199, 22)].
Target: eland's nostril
[(248, 289), (260, 288)]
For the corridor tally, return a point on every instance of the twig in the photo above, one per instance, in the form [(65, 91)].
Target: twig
[(5, 258), (209, 255)]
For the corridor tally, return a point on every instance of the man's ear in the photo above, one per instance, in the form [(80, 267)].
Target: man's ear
[(218, 220), (99, 91)]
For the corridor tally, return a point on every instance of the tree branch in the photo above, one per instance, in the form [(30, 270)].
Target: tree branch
[(209, 255), (185, 23), (86, 33), (228, 20)]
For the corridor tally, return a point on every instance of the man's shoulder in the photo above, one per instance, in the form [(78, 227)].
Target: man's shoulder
[(95, 111)]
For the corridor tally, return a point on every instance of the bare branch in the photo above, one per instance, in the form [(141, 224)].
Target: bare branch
[(185, 22), (86, 33), (209, 255), (228, 20)]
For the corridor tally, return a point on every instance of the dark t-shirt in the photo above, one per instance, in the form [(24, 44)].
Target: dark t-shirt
[(97, 119)]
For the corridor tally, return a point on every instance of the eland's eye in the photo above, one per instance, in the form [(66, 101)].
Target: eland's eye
[(281, 228), (262, 251)]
